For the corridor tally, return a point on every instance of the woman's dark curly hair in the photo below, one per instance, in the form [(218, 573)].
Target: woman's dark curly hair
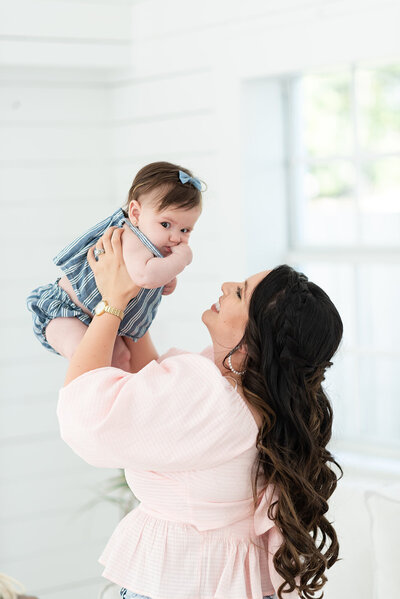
[(292, 333)]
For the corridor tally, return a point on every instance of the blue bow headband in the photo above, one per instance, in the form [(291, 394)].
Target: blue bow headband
[(185, 178)]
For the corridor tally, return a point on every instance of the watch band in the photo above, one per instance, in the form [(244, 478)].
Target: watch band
[(114, 311), (103, 306)]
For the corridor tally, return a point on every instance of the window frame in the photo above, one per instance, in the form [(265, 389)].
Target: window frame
[(356, 255)]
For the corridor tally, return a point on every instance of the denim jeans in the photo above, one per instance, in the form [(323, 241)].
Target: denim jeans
[(131, 595)]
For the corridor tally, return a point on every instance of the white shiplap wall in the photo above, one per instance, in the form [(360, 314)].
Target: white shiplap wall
[(54, 164), (65, 33), (90, 91), (55, 177)]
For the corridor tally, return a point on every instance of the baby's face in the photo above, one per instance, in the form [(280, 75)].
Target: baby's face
[(166, 228)]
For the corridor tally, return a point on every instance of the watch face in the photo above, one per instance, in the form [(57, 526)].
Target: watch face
[(99, 309)]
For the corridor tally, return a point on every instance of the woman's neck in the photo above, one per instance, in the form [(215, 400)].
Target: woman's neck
[(219, 356)]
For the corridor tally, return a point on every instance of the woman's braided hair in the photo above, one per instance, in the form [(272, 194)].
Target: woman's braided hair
[(292, 333)]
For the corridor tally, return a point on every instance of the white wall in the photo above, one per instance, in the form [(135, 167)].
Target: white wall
[(65, 33), (90, 91), (55, 163)]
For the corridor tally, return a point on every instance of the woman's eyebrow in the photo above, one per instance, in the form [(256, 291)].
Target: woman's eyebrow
[(245, 287)]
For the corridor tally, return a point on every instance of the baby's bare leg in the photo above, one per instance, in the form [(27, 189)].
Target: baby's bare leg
[(121, 355), (65, 334)]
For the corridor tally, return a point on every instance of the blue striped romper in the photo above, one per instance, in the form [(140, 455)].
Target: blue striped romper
[(51, 301)]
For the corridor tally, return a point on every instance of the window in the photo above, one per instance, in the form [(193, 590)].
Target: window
[(343, 189)]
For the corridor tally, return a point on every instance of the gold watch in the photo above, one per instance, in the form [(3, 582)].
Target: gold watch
[(103, 306)]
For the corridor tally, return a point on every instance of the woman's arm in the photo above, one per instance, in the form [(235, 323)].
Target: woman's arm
[(115, 285), (96, 348)]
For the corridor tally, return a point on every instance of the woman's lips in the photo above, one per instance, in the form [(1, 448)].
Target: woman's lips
[(216, 307)]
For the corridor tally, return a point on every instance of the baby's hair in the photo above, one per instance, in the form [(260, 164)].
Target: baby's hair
[(165, 175)]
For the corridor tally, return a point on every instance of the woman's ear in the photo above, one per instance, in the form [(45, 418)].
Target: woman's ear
[(243, 348), (134, 212)]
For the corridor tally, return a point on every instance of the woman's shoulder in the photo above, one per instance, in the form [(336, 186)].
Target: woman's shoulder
[(175, 351), (194, 370), (195, 375), (208, 352)]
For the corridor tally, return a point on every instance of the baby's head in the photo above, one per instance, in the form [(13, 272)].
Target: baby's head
[(163, 207)]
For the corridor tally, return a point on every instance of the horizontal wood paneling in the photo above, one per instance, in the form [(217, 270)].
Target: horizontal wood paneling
[(74, 21), (50, 219), (57, 142), (188, 337), (53, 186), (153, 57), (43, 373), (32, 257), (162, 97), (194, 294), (258, 39), (46, 77), (57, 569), (45, 454), (186, 134), (31, 103), (72, 54), (44, 534), (164, 20), (20, 413), (73, 491)]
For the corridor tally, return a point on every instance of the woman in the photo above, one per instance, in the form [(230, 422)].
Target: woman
[(191, 430)]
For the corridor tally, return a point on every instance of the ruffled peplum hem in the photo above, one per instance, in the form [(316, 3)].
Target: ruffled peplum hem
[(164, 559)]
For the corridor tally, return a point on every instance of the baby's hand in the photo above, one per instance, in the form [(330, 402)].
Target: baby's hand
[(183, 250), (169, 287)]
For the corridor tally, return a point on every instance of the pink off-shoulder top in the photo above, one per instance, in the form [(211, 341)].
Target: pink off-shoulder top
[(186, 440)]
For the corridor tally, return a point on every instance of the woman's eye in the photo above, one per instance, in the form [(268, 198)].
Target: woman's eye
[(166, 225), (239, 292)]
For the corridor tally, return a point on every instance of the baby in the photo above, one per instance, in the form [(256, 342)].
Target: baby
[(163, 205)]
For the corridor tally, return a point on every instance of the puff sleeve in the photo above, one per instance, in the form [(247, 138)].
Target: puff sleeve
[(177, 414)]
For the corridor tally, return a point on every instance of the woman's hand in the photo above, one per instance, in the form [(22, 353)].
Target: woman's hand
[(95, 350), (110, 273)]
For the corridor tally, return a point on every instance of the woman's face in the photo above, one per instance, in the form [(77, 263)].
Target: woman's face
[(226, 319)]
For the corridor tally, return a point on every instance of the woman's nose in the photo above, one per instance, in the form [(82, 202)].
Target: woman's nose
[(225, 287)]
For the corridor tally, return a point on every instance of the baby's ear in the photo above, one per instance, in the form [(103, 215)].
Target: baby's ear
[(134, 211)]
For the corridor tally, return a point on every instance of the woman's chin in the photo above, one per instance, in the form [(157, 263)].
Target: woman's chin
[(205, 316)]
